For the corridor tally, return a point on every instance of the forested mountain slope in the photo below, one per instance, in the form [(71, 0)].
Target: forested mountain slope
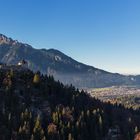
[(35, 107)]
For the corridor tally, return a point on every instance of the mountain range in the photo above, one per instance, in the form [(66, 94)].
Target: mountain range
[(62, 67)]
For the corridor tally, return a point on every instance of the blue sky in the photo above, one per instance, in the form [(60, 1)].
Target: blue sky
[(101, 33)]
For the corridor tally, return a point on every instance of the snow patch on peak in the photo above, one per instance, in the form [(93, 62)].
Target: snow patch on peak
[(58, 58)]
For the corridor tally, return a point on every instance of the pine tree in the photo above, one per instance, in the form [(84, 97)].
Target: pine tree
[(136, 130), (36, 79), (69, 136)]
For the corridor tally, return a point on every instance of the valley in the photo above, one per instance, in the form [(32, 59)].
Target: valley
[(128, 96)]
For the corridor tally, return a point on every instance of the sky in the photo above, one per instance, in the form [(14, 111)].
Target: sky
[(101, 33)]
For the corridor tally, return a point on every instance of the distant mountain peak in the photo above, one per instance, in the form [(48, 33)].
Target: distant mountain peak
[(6, 40), (3, 36), (62, 67)]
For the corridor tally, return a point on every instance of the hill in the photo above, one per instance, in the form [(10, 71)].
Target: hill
[(35, 107), (61, 66)]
